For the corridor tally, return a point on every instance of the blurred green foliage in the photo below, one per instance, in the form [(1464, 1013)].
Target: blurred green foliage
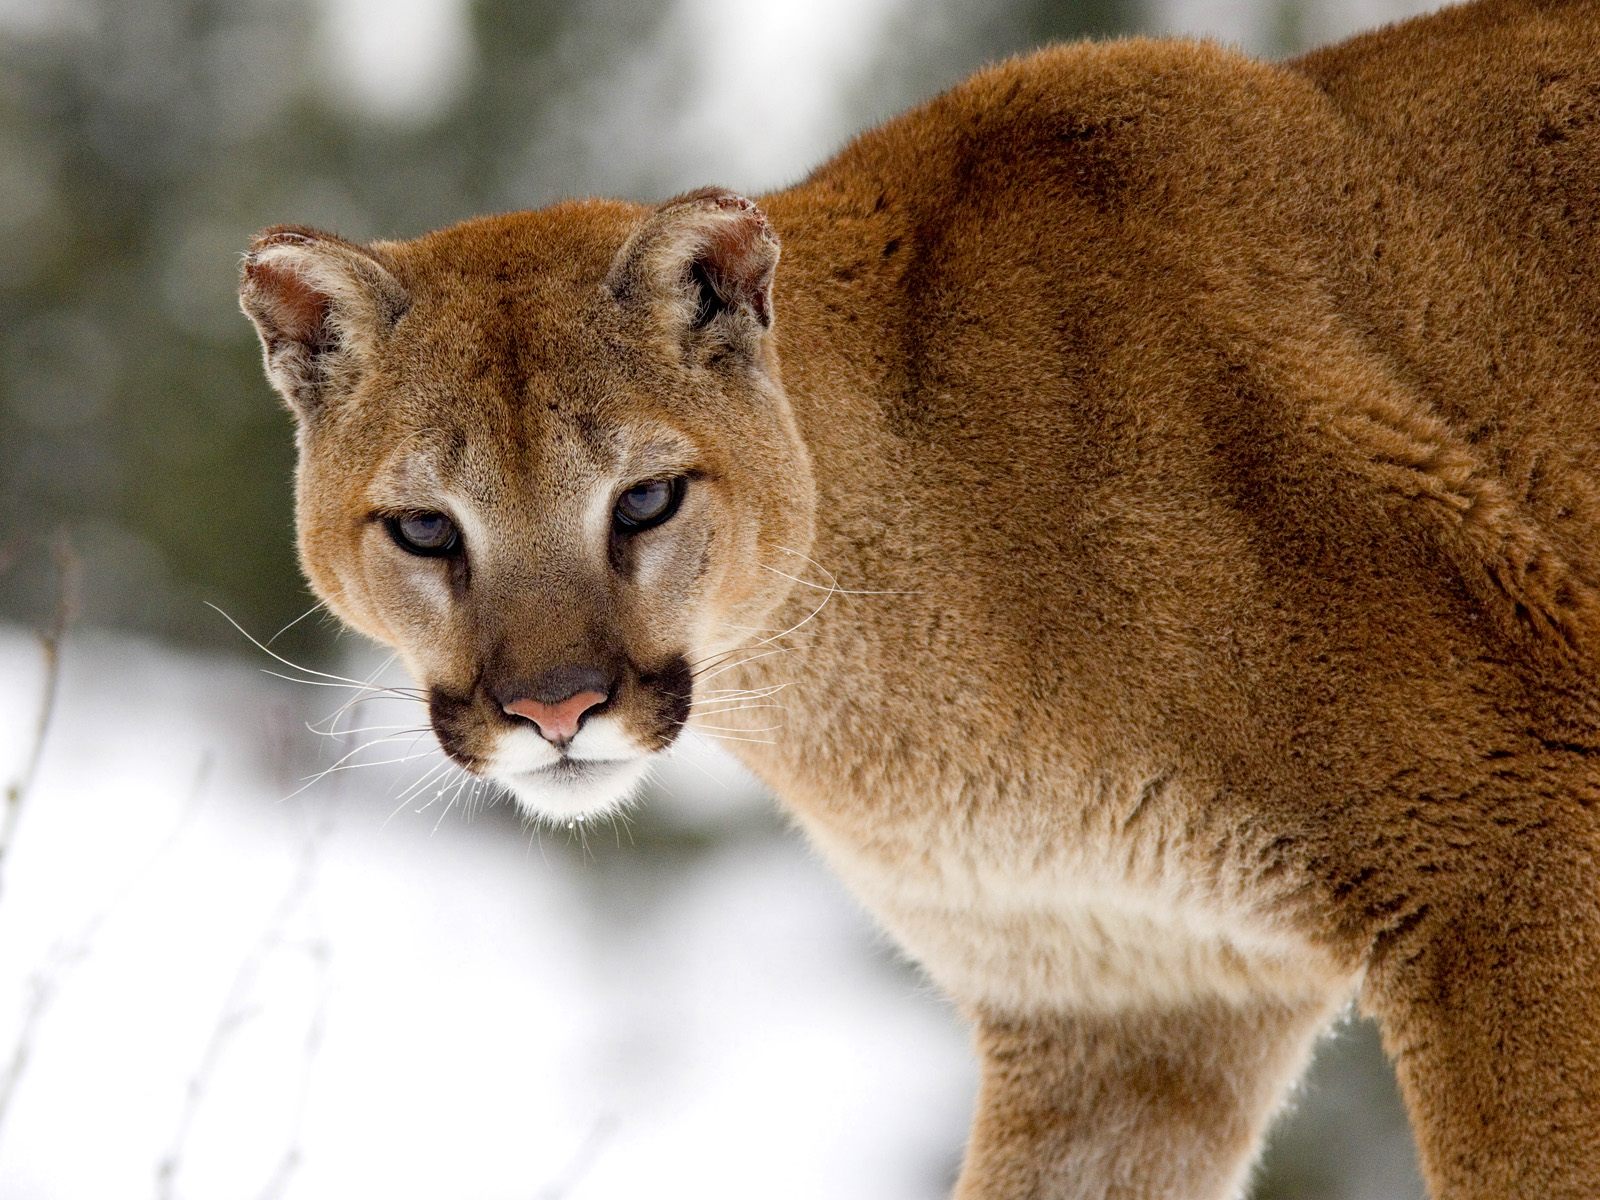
[(141, 143)]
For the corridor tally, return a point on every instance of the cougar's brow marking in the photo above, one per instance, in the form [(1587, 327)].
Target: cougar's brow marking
[(417, 477)]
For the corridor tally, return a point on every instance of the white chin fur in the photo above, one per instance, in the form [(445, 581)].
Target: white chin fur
[(557, 796), (600, 773)]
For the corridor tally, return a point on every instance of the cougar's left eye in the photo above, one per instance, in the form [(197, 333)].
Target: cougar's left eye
[(429, 534), (648, 503)]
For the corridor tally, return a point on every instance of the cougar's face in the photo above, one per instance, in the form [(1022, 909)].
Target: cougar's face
[(553, 490)]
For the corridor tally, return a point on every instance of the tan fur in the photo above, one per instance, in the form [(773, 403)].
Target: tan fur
[(1174, 523)]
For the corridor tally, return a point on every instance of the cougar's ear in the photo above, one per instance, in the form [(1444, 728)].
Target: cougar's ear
[(704, 265), (321, 305)]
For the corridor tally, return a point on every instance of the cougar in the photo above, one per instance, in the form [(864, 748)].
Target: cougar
[(1153, 494)]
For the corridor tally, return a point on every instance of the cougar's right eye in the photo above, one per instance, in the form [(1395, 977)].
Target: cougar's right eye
[(647, 504), (429, 534)]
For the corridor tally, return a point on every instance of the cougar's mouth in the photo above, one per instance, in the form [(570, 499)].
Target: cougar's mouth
[(577, 768), (564, 773), (574, 788)]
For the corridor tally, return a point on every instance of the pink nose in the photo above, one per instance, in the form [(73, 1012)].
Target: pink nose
[(558, 722)]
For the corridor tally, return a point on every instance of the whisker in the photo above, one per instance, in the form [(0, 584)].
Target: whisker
[(710, 665), (737, 696), (287, 662), (477, 799), (413, 694), (753, 693), (382, 762), (437, 795), (832, 591), (833, 579), (465, 779), (335, 733), (294, 622), (719, 655), (405, 797), (724, 737), (342, 763), (745, 661), (393, 737), (747, 628), (729, 707), (333, 717), (723, 655)]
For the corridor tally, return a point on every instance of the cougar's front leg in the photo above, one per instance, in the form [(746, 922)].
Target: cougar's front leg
[(1158, 1105), (1490, 1006)]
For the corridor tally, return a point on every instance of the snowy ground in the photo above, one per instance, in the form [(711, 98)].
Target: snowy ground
[(221, 993)]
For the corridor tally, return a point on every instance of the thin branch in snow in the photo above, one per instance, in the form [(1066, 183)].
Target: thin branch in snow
[(322, 960), (50, 639), (582, 1160), (41, 991), (68, 953), (238, 1009)]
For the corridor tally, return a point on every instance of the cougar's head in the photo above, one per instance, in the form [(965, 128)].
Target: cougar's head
[(548, 459)]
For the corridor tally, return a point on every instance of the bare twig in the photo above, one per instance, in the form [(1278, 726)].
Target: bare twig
[(67, 954), (41, 991), (582, 1160), (50, 639), (239, 1009), (322, 958)]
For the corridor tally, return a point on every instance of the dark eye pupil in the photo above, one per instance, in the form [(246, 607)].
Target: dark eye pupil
[(427, 533), (645, 502)]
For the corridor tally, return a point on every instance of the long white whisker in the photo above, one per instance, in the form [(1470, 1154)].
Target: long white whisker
[(752, 693), (376, 689), (832, 592), (689, 762), (476, 802), (342, 762), (382, 762), (465, 779), (405, 797), (723, 737), (725, 708), (728, 708), (437, 795), (337, 733), (719, 656), (334, 716), (833, 579), (294, 622), (280, 658), (353, 766), (744, 661), (355, 750)]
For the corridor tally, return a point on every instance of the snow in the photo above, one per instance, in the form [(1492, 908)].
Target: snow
[(253, 996)]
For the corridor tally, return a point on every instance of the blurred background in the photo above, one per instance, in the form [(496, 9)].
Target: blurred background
[(219, 978)]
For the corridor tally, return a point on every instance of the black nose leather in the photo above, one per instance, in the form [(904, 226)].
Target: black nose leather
[(557, 684)]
